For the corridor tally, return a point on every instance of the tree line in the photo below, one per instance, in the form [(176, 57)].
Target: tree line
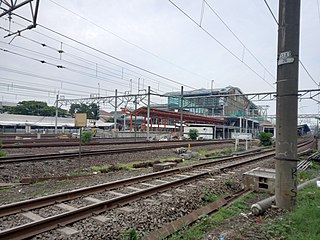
[(38, 108)]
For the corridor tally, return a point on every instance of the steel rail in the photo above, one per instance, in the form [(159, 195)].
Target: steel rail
[(43, 157), (65, 196), (31, 229), (37, 227), (37, 143)]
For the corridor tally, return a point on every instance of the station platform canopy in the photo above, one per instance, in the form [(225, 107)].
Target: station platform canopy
[(187, 117)]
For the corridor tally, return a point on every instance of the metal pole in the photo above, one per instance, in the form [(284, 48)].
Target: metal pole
[(223, 132), (212, 85), (246, 125), (181, 112), (287, 103), (148, 115), (56, 117), (80, 144), (135, 118), (115, 109)]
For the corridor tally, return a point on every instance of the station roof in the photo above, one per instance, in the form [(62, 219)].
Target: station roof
[(187, 117), (203, 92)]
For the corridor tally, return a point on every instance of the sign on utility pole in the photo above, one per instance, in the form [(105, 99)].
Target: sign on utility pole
[(80, 121), (287, 103)]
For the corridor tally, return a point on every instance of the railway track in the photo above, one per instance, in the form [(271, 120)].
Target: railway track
[(51, 156), (101, 198), (167, 179), (38, 143)]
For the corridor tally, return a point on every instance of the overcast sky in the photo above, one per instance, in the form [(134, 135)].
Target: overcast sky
[(153, 35)]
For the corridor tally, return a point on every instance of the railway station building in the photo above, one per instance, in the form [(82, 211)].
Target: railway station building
[(228, 104), (215, 113)]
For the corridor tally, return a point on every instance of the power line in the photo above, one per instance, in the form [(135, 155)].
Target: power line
[(72, 70), (303, 66), (308, 72), (55, 65), (60, 51), (270, 10), (62, 60), (10, 80), (88, 61), (232, 32), (318, 10), (107, 54), (33, 89), (220, 43), (27, 95), (49, 78), (125, 40)]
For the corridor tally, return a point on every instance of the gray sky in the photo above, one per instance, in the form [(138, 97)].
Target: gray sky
[(153, 35)]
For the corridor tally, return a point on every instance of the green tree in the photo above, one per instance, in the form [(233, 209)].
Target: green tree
[(35, 108), (91, 110), (193, 133), (265, 139)]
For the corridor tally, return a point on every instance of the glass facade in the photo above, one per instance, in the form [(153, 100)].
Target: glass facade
[(204, 102)]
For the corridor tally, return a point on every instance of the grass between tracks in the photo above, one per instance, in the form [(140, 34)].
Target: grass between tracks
[(2, 153), (206, 223), (130, 166), (301, 223)]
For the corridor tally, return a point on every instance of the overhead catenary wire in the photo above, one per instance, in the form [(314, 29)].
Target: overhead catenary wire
[(27, 88), (16, 71), (308, 72), (45, 45), (45, 77), (270, 10), (109, 55), (220, 43), (241, 42), (94, 63), (57, 88), (318, 7), (56, 65), (303, 66), (55, 58), (125, 40), (27, 95)]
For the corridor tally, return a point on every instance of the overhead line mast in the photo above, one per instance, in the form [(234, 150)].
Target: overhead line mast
[(287, 103)]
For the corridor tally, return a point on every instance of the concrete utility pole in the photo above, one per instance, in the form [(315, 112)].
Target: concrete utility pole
[(287, 103)]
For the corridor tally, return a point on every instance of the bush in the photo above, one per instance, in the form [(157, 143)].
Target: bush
[(193, 134), (265, 139), (2, 153), (130, 234), (86, 136)]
